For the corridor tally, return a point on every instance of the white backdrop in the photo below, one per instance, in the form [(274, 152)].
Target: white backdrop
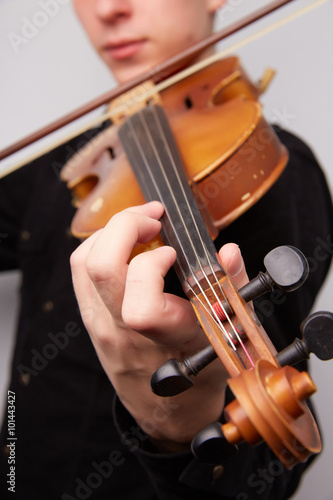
[(48, 68)]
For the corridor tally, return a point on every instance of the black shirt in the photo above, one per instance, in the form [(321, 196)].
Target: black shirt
[(68, 445)]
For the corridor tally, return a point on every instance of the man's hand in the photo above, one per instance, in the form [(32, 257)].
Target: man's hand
[(135, 327)]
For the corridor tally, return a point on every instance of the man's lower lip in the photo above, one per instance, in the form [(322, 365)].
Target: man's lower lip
[(125, 51)]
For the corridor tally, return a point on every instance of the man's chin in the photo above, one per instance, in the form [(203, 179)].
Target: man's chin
[(128, 71)]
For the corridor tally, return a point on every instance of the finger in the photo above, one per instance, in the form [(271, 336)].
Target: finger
[(82, 284), (94, 313), (233, 263), (147, 309), (107, 261)]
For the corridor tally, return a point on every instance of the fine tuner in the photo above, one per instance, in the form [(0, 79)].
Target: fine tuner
[(286, 269)]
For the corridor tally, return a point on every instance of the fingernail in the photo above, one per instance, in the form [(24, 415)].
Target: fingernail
[(236, 264)]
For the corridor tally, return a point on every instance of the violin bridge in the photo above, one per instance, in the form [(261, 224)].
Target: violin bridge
[(133, 101)]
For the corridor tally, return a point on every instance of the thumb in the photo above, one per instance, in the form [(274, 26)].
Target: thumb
[(232, 262)]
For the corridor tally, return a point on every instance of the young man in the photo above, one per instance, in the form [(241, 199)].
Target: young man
[(78, 436)]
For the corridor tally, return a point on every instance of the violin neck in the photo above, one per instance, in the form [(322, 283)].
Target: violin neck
[(155, 159)]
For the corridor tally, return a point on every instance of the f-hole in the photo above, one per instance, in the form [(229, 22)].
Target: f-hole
[(188, 102), (111, 153)]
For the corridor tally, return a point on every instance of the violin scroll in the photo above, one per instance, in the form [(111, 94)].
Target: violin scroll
[(286, 389), (286, 269), (269, 406)]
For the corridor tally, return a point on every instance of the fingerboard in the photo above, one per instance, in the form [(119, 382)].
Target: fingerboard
[(156, 161)]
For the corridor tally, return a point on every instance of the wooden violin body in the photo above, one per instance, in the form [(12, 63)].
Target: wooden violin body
[(231, 155)]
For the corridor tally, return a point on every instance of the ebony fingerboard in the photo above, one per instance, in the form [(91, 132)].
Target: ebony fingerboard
[(154, 156)]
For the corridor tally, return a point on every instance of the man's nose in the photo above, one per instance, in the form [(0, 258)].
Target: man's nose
[(112, 10)]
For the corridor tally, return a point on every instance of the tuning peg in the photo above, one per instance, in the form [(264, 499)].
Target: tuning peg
[(286, 268), (174, 376), (317, 337), (211, 446)]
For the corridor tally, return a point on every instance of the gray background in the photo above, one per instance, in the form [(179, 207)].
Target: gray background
[(56, 70)]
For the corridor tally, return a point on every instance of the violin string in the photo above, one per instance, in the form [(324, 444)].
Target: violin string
[(162, 135), (158, 190), (197, 232), (226, 333), (199, 236), (161, 86), (220, 325)]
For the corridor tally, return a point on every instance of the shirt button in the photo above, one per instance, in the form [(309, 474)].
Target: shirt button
[(217, 472), (25, 235), (48, 306), (25, 379), (5, 451), (68, 232)]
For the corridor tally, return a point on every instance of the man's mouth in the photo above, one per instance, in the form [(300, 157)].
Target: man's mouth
[(123, 49)]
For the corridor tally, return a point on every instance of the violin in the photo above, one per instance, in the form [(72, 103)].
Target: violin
[(231, 149), (152, 152)]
